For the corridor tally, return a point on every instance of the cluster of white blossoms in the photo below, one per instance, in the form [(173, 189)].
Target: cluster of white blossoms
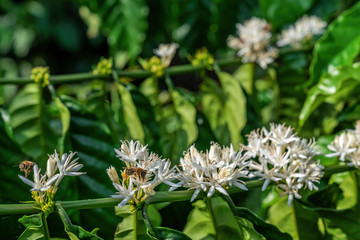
[(303, 31), (166, 52), (253, 42), (346, 146), (143, 172), (45, 186), (280, 156), (216, 169)]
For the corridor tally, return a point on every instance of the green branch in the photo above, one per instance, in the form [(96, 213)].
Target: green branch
[(137, 74), (159, 197)]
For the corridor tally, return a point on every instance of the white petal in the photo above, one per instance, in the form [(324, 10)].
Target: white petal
[(222, 190), (196, 193), (27, 181), (211, 191), (124, 202)]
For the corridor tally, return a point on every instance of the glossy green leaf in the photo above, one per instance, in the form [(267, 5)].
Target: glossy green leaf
[(341, 223), (187, 113), (332, 87), (34, 228), (75, 232), (269, 231), (218, 223), (169, 234), (131, 117), (274, 10), (301, 224), (235, 106), (347, 183), (338, 46), (129, 228), (92, 141), (30, 122)]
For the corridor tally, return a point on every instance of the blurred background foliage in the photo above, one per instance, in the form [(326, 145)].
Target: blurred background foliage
[(223, 105)]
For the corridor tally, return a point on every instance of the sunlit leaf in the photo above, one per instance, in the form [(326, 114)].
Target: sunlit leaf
[(332, 87), (338, 46)]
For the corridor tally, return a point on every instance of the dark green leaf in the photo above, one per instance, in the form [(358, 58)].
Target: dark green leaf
[(273, 10), (75, 232), (30, 123), (338, 46), (269, 231), (129, 17), (169, 234)]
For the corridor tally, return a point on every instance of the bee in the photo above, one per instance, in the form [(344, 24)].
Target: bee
[(26, 167), (137, 172)]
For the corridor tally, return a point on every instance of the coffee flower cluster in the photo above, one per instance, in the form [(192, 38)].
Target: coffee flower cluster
[(143, 172), (346, 146), (280, 156), (302, 32), (45, 186), (213, 170), (164, 55), (253, 42)]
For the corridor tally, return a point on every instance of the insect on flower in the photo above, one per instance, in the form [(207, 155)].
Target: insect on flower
[(137, 172), (26, 167)]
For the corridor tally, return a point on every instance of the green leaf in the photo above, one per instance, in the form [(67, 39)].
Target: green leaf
[(75, 232), (169, 234), (338, 46), (332, 87), (213, 107), (269, 231), (218, 223), (301, 224), (273, 10), (349, 187), (34, 229), (245, 75), (199, 224), (126, 229), (131, 117), (30, 122), (65, 121), (187, 113), (129, 17), (235, 106), (344, 222)]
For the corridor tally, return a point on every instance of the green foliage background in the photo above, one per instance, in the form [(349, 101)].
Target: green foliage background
[(169, 115)]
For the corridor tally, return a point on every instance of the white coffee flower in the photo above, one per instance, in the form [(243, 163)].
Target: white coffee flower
[(130, 152), (166, 52), (125, 192), (346, 146), (280, 156), (40, 183), (304, 30), (213, 170), (253, 42), (144, 170)]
